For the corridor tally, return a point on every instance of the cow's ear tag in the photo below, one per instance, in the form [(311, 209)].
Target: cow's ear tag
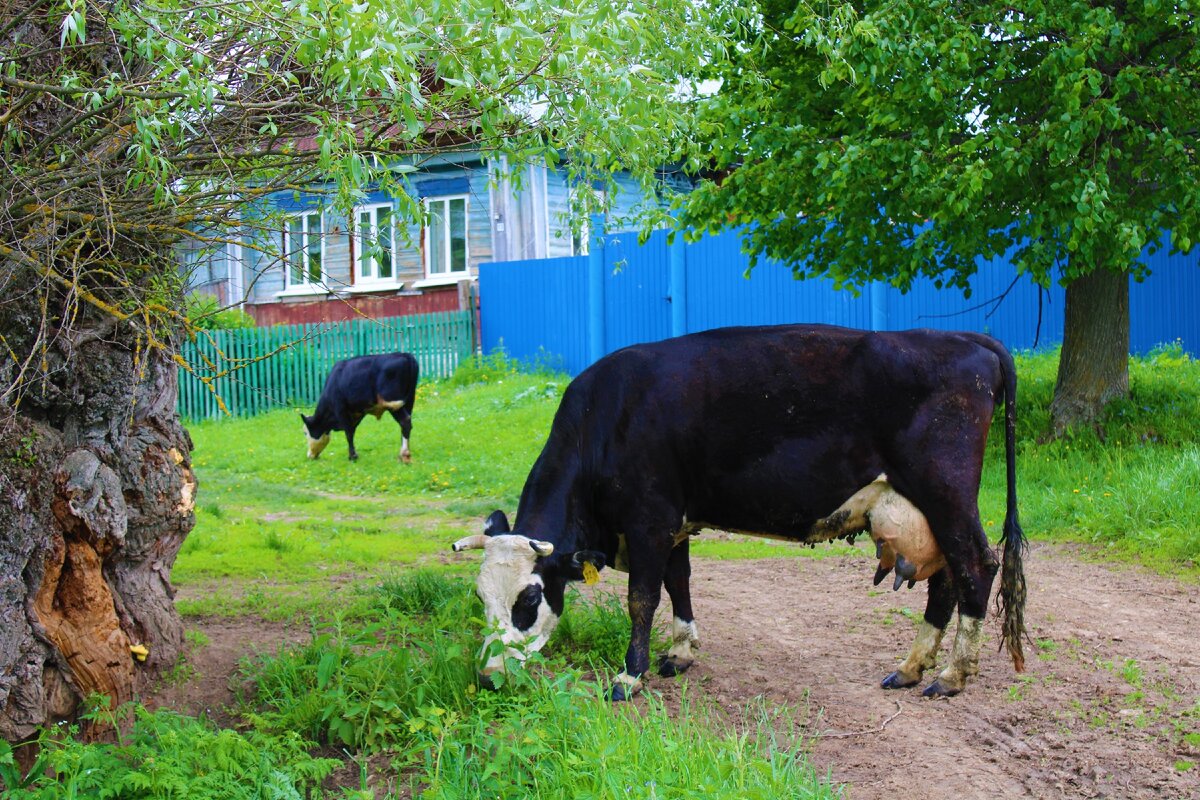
[(590, 573)]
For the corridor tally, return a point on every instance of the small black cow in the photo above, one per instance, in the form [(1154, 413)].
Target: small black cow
[(360, 386), (797, 431)]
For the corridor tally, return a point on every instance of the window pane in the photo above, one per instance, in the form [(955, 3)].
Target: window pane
[(293, 250), (437, 237), (383, 236), (364, 245), (458, 235), (314, 248)]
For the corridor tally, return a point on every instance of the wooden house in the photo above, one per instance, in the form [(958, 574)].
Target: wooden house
[(304, 261)]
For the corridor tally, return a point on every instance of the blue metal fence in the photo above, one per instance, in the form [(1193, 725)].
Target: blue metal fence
[(551, 310)]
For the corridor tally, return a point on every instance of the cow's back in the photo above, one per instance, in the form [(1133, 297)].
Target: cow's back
[(765, 428)]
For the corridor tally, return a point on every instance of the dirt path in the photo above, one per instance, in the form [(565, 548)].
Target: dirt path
[(1112, 686)]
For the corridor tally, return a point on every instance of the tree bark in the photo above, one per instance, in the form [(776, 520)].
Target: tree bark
[(96, 496), (1094, 366)]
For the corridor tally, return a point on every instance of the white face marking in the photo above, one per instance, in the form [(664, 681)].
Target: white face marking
[(315, 446), (507, 569)]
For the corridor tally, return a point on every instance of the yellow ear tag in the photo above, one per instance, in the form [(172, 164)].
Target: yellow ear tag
[(590, 573)]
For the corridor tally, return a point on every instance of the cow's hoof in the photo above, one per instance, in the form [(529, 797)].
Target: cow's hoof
[(939, 689), (669, 667), (620, 693), (897, 680), (354, 456), (405, 458)]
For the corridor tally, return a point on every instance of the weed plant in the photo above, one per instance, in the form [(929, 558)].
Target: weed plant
[(166, 756)]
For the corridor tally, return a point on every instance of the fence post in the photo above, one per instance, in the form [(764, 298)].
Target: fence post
[(677, 284), (595, 284)]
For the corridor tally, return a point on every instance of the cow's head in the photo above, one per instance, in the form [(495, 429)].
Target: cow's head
[(521, 584), (316, 441)]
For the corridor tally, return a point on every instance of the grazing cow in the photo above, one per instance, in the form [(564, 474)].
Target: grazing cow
[(360, 386), (806, 432)]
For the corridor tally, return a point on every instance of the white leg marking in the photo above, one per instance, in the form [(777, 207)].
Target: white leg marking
[(632, 685), (964, 657), (684, 637), (923, 654), (404, 454)]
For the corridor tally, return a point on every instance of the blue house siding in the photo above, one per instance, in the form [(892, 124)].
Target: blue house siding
[(534, 310)]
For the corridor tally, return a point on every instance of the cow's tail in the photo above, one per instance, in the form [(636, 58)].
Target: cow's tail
[(1011, 599)]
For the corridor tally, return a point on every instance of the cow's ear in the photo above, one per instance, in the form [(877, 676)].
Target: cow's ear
[(496, 524), (583, 565)]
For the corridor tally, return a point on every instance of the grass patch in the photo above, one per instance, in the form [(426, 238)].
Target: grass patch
[(405, 683), (266, 510)]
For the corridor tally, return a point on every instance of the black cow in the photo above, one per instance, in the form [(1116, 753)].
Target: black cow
[(772, 430), (360, 386)]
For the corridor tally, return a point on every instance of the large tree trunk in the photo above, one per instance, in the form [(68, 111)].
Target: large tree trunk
[(95, 500), (1094, 367)]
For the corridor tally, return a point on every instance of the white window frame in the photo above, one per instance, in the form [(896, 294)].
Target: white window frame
[(449, 274), (306, 284), (361, 252), (581, 245), (234, 274)]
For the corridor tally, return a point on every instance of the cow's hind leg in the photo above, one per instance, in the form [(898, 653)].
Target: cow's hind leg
[(923, 654), (974, 567), (683, 627), (944, 485), (404, 417)]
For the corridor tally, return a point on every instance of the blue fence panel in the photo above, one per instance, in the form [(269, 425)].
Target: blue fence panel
[(719, 293), (540, 307), (535, 310), (1163, 308), (636, 308), (1014, 309)]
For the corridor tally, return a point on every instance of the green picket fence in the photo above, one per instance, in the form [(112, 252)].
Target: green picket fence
[(258, 369)]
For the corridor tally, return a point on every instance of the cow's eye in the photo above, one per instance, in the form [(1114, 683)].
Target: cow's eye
[(525, 610)]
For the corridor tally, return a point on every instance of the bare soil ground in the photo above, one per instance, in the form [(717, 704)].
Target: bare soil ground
[(1111, 689)]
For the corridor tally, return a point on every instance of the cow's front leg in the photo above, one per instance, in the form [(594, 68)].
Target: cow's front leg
[(350, 426), (939, 607), (683, 627), (645, 588)]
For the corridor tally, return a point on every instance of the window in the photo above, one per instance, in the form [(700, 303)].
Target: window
[(446, 236), (302, 250), (374, 243)]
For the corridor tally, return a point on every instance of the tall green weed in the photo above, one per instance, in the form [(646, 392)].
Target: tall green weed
[(168, 756)]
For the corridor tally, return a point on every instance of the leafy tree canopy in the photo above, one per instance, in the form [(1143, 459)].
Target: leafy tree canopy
[(129, 124), (931, 133)]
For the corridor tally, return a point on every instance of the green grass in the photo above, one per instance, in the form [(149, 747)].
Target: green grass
[(267, 512)]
